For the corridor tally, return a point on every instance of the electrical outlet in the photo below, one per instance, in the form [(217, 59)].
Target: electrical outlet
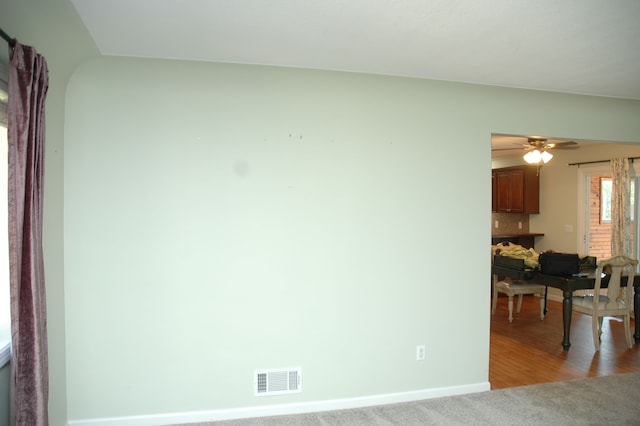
[(420, 352), (496, 224), (519, 225)]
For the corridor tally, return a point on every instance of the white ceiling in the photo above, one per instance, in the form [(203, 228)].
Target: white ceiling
[(575, 46)]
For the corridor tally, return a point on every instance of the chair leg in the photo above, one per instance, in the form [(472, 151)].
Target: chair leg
[(541, 307), (519, 303), (600, 320), (510, 308), (627, 331), (494, 302), (596, 331)]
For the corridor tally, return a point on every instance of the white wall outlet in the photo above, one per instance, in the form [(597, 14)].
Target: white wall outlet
[(496, 224), (420, 352), (519, 225)]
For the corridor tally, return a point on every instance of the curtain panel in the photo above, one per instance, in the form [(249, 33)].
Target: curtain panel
[(620, 208), (28, 85)]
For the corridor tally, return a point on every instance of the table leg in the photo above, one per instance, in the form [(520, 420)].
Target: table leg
[(567, 307), (636, 311)]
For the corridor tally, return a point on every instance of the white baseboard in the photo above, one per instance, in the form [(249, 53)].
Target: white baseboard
[(555, 297), (281, 409)]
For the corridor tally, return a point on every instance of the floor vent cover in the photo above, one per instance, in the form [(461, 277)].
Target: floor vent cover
[(277, 381)]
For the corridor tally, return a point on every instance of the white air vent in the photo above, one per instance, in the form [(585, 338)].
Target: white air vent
[(277, 381)]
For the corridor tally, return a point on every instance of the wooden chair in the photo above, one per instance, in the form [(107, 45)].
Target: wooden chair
[(613, 300), (516, 288)]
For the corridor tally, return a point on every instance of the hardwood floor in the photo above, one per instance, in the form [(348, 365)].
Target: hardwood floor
[(529, 351)]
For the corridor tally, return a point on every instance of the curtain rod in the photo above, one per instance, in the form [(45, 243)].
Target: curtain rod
[(5, 36), (600, 161)]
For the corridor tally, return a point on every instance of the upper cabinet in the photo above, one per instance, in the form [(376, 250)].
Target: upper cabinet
[(515, 190)]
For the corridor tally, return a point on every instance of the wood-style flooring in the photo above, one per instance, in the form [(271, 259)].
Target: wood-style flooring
[(529, 351)]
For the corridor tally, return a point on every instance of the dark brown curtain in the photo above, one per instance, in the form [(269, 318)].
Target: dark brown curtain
[(28, 84)]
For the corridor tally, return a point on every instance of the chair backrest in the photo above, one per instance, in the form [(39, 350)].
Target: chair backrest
[(617, 267)]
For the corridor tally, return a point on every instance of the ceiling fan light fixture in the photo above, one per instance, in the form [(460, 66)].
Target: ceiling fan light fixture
[(533, 157), (537, 156)]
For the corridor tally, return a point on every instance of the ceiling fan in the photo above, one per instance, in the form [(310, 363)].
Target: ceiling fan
[(537, 149), (540, 143)]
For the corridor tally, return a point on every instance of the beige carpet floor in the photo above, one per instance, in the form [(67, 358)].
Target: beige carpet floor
[(610, 400)]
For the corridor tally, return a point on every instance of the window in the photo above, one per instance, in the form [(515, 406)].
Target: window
[(606, 185)]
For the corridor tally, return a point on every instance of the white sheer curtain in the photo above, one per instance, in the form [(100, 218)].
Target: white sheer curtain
[(620, 208)]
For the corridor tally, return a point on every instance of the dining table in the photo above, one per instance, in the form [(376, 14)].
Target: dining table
[(569, 284)]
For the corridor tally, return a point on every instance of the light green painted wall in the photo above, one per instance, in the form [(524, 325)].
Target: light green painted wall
[(247, 217), (225, 218)]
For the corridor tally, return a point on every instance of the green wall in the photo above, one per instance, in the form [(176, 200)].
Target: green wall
[(246, 217)]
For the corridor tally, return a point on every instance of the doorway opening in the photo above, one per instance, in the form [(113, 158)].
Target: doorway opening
[(539, 341)]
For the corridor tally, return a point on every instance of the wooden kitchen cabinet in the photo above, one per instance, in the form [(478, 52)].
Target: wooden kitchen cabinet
[(515, 190)]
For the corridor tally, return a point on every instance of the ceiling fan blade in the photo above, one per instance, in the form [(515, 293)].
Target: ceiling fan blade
[(564, 145)]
